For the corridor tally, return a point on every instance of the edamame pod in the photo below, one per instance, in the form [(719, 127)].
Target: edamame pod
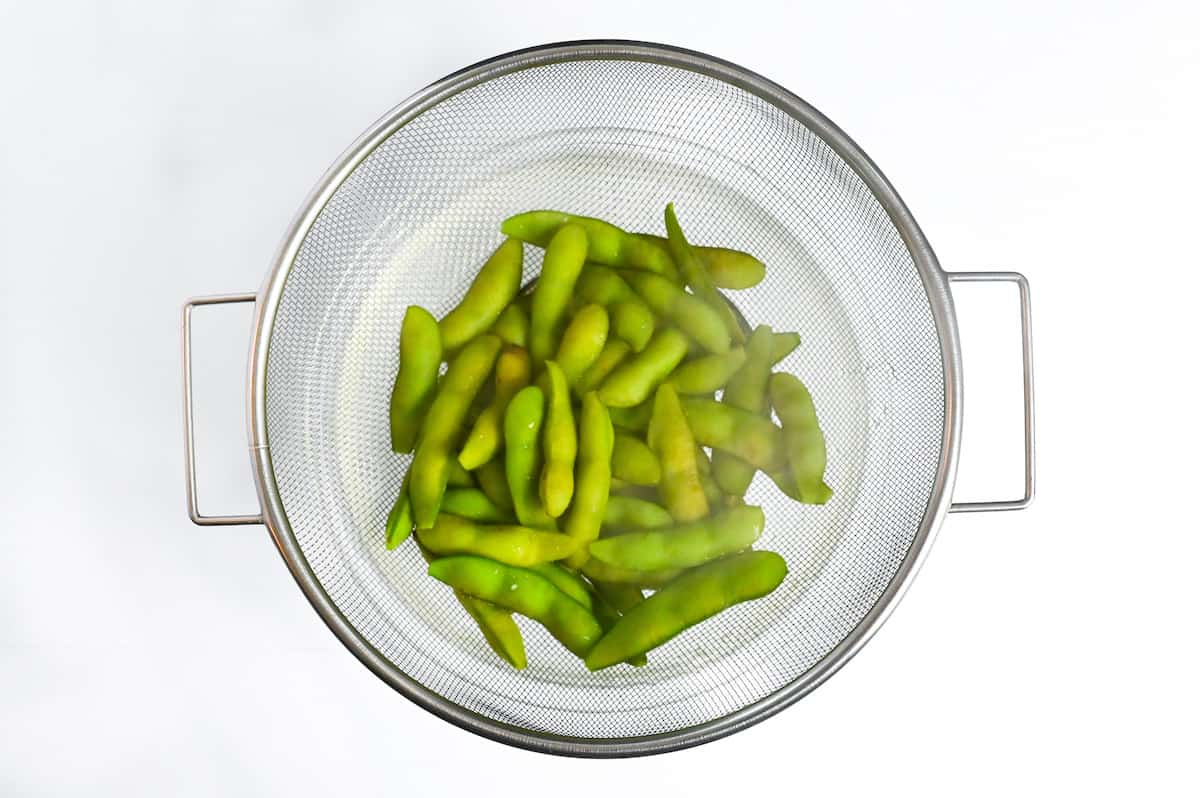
[(747, 390), (600, 571), (416, 379), (685, 545), (634, 462), (689, 313), (684, 602), (603, 286), (611, 600), (582, 342), (782, 345), (627, 512), (728, 268), (731, 268), (499, 629), (607, 243), (712, 491), (506, 543), (706, 374), (671, 439), (457, 476), (611, 355), (565, 254), (634, 380), (697, 276), (591, 491), (483, 441), (621, 597), (559, 443), (634, 419), (494, 483), (523, 591), (741, 433), (513, 326), (633, 323), (474, 504), (805, 442), (400, 519), (443, 425), (523, 455), (493, 288), (565, 580)]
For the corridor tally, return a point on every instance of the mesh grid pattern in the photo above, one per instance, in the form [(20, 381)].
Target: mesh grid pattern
[(615, 139)]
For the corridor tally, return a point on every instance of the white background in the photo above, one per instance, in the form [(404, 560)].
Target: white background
[(153, 151)]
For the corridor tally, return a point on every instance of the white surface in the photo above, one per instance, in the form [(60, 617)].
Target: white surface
[(148, 153)]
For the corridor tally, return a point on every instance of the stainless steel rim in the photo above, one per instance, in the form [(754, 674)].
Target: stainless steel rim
[(935, 282)]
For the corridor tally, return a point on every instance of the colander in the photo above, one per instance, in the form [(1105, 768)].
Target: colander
[(611, 129)]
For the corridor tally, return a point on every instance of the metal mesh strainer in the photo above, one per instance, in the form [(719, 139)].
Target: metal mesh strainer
[(613, 130)]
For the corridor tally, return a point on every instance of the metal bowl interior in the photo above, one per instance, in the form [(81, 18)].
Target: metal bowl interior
[(614, 130)]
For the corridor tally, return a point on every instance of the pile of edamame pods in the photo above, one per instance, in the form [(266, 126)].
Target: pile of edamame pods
[(561, 462)]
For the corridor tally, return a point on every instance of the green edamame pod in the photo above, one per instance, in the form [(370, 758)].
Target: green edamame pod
[(611, 355), (611, 600), (607, 243), (443, 425), (603, 286), (494, 483), (632, 320), (565, 254), (600, 571), (559, 444), (627, 512), (513, 326), (493, 288), (621, 597), (786, 482), (741, 433), (457, 476), (523, 591), (712, 491), (696, 276), (731, 268), (416, 379), (634, 380), (506, 543), (483, 441), (694, 316), (473, 504), (782, 345), (805, 442), (703, 375), (582, 342), (633, 323), (671, 439), (634, 462), (591, 491), (728, 268), (499, 629), (567, 581), (747, 390), (523, 455), (696, 595), (685, 545), (634, 419), (400, 519)]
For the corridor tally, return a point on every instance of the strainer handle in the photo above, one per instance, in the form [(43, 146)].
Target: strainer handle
[(1027, 369), (189, 450)]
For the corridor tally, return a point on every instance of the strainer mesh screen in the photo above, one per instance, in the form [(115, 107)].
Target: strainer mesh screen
[(615, 139)]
